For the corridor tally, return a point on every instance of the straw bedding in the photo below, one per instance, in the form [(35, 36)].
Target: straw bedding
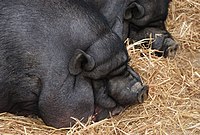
[(173, 106)]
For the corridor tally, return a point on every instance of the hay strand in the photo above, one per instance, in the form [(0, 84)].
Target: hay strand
[(173, 106)]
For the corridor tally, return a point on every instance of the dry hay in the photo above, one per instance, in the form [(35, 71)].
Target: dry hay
[(173, 106)]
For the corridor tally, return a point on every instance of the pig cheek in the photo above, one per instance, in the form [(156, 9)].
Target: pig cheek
[(121, 93)]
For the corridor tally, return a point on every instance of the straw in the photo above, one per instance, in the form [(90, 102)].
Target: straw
[(173, 106)]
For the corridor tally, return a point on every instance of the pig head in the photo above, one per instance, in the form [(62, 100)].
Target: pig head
[(145, 19), (116, 92), (130, 18)]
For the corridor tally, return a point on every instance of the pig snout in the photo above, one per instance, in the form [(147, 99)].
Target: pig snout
[(112, 95), (138, 87), (142, 92), (171, 48), (128, 89), (168, 46)]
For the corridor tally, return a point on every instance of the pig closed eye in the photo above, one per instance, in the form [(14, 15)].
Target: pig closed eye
[(134, 74), (118, 71)]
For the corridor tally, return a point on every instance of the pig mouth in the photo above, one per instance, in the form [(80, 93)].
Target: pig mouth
[(98, 114), (101, 113), (143, 94)]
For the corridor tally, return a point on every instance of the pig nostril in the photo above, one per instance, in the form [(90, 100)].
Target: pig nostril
[(172, 47), (142, 98), (143, 95)]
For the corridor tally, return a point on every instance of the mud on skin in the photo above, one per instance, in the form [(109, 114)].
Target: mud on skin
[(60, 59)]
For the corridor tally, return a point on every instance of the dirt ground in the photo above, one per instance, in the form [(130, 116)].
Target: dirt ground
[(173, 106)]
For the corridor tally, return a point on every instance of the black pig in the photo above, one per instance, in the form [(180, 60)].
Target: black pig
[(145, 18), (60, 59), (130, 18)]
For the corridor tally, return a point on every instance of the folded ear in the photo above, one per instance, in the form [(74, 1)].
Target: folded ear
[(134, 10), (80, 62)]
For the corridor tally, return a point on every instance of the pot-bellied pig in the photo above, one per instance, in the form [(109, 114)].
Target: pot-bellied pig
[(137, 19), (60, 59), (146, 18)]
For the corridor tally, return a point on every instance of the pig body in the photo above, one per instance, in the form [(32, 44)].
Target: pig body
[(54, 56)]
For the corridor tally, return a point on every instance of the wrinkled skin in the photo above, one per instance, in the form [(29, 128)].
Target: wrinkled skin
[(117, 91), (130, 18), (113, 11), (60, 59)]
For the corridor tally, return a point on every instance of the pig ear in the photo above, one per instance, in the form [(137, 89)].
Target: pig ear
[(80, 62), (134, 10)]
